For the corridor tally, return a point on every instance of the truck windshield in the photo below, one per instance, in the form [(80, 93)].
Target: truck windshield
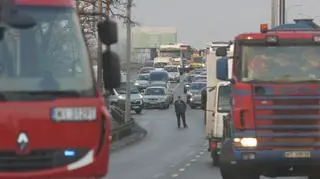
[(280, 63), (51, 56), (172, 53), (224, 96)]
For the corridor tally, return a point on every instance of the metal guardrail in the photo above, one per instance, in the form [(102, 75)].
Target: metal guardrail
[(125, 127), (122, 131)]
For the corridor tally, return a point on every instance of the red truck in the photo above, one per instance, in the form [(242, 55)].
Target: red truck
[(53, 121), (274, 124)]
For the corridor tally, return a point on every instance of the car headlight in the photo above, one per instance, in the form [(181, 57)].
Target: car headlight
[(246, 142), (61, 114), (191, 99), (121, 97), (136, 83)]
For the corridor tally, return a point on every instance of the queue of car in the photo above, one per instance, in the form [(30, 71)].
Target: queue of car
[(151, 89), (194, 83)]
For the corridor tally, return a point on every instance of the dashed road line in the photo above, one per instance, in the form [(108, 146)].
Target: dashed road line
[(201, 153), (193, 160), (197, 156), (188, 165), (181, 170), (174, 175)]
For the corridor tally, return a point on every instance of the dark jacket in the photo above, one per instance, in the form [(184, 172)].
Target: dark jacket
[(180, 106)]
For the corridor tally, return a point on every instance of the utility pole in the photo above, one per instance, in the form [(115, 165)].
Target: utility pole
[(282, 12), (128, 63), (99, 51), (274, 13)]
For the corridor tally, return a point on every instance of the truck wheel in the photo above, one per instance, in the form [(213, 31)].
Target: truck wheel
[(227, 174), (138, 111), (314, 177), (215, 158)]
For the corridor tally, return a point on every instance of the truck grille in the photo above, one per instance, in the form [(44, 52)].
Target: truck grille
[(37, 160), (287, 122)]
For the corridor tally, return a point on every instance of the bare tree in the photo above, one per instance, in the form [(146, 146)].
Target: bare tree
[(89, 16)]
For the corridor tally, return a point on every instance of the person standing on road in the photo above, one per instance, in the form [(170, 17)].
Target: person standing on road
[(180, 108)]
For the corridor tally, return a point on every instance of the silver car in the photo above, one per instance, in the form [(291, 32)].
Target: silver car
[(136, 98), (142, 81), (156, 97), (194, 94)]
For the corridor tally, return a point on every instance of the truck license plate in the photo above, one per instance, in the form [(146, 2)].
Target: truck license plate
[(297, 154)]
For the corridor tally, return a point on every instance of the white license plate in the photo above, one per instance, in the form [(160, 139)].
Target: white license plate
[(297, 154), (135, 107)]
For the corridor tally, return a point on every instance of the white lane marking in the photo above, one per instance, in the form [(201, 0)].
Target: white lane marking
[(193, 160), (188, 165), (201, 153), (191, 153), (197, 156), (174, 175), (158, 175), (172, 165), (181, 169)]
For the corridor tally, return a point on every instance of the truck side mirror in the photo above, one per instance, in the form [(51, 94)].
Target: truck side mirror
[(108, 32), (111, 70), (222, 69), (221, 52)]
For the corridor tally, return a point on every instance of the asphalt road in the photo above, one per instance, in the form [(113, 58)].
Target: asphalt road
[(166, 152)]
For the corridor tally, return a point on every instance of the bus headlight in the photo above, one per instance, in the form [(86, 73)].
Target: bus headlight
[(70, 114), (246, 142)]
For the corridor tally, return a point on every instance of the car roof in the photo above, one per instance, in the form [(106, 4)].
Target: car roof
[(158, 71), (156, 87)]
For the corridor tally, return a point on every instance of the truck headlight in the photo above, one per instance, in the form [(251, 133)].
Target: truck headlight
[(245, 142), (61, 114)]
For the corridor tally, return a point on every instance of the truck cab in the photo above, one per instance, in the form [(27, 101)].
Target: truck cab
[(275, 107), (48, 93)]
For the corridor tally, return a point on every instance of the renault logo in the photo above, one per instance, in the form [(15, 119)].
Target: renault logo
[(22, 141)]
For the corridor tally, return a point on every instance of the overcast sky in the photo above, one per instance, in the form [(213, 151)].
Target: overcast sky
[(201, 21)]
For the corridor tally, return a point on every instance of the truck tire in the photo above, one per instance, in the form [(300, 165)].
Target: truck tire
[(227, 174)]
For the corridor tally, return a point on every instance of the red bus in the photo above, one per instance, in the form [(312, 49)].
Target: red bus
[(53, 121)]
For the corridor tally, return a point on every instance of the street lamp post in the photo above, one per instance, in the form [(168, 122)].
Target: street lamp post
[(128, 91)]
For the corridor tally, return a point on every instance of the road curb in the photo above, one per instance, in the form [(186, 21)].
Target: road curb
[(138, 134)]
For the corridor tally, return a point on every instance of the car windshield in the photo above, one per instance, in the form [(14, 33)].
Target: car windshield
[(143, 77), (224, 96), (123, 89), (158, 76), (171, 69), (51, 56), (200, 78), (280, 63), (154, 91), (197, 86)]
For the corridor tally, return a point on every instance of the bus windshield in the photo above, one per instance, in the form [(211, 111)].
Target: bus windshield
[(51, 56), (280, 63)]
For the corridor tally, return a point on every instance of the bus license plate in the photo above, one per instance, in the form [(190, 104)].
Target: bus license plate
[(297, 154)]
